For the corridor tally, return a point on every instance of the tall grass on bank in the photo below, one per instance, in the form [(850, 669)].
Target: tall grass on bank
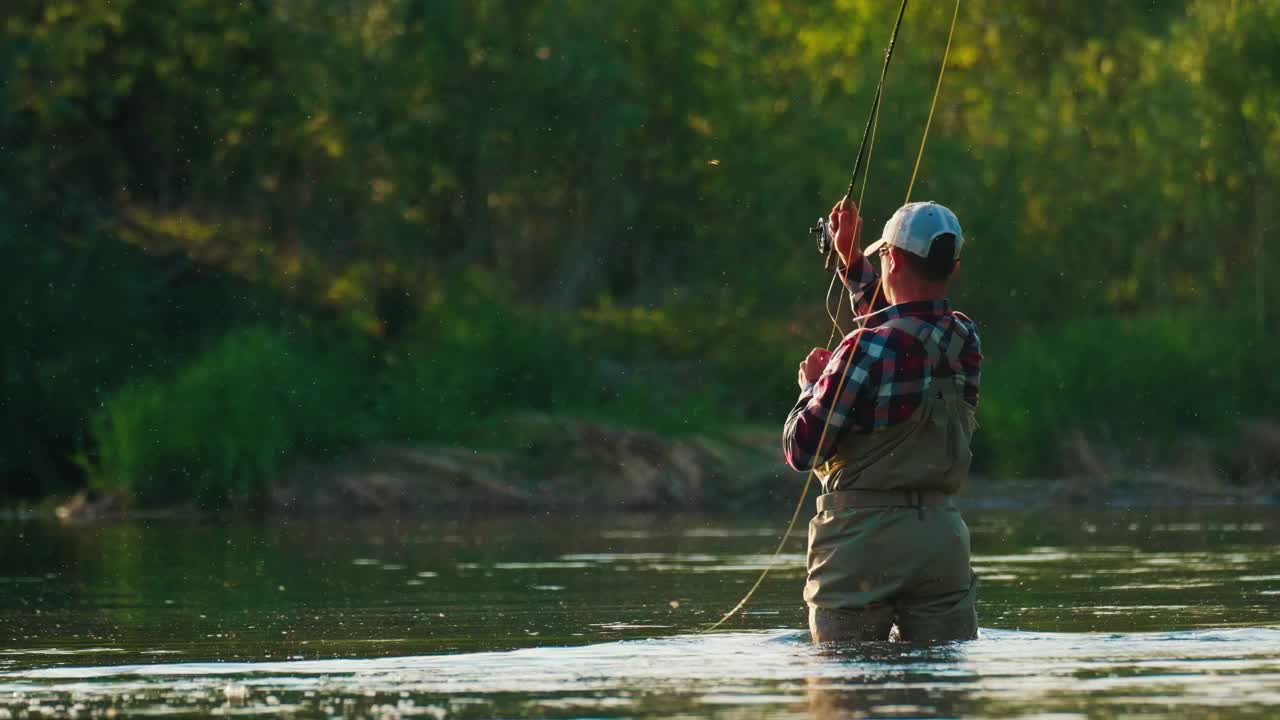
[(1137, 384), (224, 425)]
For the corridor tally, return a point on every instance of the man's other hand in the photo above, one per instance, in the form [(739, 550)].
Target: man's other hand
[(846, 225), (811, 368)]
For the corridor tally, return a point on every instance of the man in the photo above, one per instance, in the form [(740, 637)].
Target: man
[(887, 546)]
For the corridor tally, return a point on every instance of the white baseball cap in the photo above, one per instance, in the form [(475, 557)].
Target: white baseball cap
[(914, 226)]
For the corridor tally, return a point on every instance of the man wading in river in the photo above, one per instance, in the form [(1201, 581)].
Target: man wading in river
[(887, 546)]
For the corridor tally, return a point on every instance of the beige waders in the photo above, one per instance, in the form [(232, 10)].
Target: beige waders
[(887, 546)]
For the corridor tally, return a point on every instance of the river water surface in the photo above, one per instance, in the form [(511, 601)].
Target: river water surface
[(1126, 612)]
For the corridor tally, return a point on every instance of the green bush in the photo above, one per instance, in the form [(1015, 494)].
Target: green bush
[(1143, 380), (484, 356), (84, 315), (224, 425)]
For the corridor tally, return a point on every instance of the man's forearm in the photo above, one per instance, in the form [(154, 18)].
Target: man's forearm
[(799, 443), (861, 279), (819, 417)]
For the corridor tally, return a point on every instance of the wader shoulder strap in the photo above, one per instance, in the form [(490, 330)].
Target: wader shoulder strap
[(932, 337), (955, 346)]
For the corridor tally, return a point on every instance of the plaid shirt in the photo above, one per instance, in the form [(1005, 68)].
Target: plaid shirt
[(884, 377)]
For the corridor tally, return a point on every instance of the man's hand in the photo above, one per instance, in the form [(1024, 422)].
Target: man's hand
[(811, 368), (846, 225)]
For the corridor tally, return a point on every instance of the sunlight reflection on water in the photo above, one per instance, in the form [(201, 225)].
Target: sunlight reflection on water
[(1004, 673)]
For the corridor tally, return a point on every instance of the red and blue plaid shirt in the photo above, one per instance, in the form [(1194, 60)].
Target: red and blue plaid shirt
[(884, 378)]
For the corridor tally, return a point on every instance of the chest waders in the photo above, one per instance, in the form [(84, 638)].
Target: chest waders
[(887, 546)]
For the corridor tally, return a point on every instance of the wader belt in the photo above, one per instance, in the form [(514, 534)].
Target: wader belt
[(921, 499)]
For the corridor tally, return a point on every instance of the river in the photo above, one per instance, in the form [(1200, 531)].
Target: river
[(1130, 611)]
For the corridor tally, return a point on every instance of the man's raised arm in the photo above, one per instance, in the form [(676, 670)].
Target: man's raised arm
[(857, 273)]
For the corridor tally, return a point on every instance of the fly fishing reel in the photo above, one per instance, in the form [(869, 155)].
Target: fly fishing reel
[(821, 233)]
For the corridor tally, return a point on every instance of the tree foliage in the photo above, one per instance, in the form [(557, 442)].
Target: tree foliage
[(167, 162)]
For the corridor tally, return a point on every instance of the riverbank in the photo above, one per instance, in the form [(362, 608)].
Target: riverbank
[(557, 464)]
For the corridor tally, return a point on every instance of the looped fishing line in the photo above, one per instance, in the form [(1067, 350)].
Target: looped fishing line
[(867, 135)]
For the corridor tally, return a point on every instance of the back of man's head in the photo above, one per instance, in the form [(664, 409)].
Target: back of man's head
[(936, 268)]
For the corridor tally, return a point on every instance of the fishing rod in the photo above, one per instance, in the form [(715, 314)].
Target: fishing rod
[(826, 246), (821, 231)]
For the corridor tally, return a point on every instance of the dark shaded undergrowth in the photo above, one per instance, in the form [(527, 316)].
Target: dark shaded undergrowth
[(1145, 392)]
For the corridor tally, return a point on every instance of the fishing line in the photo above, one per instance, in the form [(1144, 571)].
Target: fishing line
[(870, 144), (866, 178), (924, 139), (933, 105), (853, 179), (835, 323), (875, 102), (868, 133)]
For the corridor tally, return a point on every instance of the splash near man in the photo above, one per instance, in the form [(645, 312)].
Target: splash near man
[(885, 422)]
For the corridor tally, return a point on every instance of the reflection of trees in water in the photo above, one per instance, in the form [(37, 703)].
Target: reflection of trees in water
[(893, 678)]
